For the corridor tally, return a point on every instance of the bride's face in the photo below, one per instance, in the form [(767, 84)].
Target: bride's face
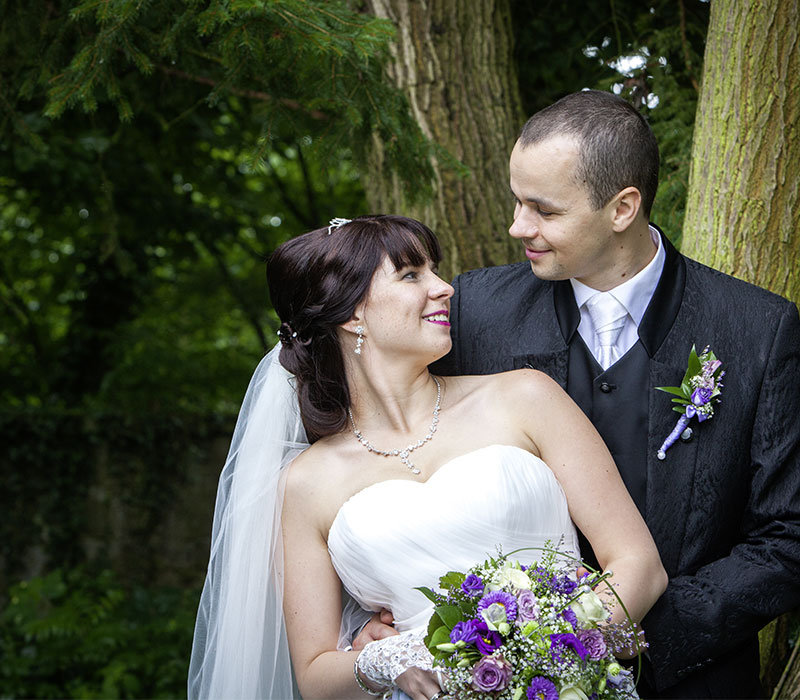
[(408, 311)]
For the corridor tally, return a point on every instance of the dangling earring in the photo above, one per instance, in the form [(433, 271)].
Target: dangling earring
[(359, 340)]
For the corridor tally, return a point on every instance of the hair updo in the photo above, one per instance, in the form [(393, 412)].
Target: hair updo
[(316, 281)]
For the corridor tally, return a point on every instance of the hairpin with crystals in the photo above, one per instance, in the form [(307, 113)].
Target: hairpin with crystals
[(333, 224)]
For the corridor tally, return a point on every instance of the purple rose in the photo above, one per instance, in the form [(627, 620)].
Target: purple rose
[(594, 643), (490, 674), (527, 606), (466, 631), (701, 396), (569, 615), (506, 600), (542, 688), (559, 643), (472, 585), (488, 640)]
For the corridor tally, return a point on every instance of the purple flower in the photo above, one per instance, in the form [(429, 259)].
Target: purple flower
[(491, 673), (542, 688), (466, 631), (472, 585), (561, 642), (527, 606), (622, 680), (701, 396), (506, 600), (569, 615), (564, 584), (711, 366), (543, 575), (488, 640), (594, 643)]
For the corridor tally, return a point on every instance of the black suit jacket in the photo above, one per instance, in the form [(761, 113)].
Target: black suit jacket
[(724, 508)]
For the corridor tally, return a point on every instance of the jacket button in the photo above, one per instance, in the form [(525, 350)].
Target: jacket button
[(605, 387)]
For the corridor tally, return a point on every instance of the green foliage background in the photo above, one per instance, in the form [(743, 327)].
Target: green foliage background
[(152, 155)]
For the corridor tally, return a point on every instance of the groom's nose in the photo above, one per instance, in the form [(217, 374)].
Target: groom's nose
[(523, 225)]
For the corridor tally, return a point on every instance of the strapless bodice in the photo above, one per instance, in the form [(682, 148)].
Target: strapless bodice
[(398, 534)]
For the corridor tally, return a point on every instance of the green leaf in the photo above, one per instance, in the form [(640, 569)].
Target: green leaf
[(428, 593), (449, 614), (672, 390), (694, 366), (452, 579), (440, 636)]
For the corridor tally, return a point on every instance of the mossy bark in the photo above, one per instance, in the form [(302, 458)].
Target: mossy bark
[(454, 62), (743, 213)]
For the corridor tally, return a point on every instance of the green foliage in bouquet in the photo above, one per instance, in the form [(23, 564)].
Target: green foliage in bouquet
[(507, 631)]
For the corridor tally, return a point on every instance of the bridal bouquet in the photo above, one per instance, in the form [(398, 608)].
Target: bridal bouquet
[(506, 631)]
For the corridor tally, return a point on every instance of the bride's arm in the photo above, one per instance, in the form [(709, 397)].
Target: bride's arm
[(313, 605), (312, 592), (599, 503)]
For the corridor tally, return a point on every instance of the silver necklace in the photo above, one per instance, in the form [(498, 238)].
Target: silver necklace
[(406, 451)]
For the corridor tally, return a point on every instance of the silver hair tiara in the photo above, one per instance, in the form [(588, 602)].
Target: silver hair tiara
[(333, 224)]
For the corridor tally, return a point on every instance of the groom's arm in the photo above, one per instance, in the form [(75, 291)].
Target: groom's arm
[(702, 617)]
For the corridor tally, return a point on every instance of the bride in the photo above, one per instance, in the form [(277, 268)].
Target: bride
[(408, 476)]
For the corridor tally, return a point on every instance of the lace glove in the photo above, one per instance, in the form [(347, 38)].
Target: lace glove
[(383, 660)]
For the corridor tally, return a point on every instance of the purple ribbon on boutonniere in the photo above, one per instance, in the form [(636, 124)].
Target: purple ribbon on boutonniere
[(699, 391)]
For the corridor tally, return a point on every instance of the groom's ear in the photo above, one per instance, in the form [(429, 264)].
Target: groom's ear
[(624, 208)]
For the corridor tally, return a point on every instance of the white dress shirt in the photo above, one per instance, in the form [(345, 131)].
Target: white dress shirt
[(634, 295)]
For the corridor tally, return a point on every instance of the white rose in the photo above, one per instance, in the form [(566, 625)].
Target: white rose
[(510, 574), (589, 608), (572, 692)]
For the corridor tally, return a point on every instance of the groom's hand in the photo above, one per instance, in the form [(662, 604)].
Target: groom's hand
[(378, 627)]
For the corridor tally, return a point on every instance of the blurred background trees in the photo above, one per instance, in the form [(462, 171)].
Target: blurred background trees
[(153, 154)]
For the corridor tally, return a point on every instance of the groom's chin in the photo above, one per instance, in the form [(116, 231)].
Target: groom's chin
[(546, 272)]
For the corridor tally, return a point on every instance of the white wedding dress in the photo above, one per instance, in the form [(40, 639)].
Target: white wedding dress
[(398, 534)]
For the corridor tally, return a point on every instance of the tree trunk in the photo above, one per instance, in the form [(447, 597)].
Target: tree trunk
[(789, 686), (454, 62), (742, 213)]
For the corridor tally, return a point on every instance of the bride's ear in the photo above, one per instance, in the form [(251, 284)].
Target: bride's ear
[(351, 325)]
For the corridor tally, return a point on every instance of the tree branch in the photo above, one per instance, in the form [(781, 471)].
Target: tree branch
[(234, 289), (250, 94)]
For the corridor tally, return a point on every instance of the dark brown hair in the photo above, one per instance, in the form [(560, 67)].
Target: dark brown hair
[(316, 281), (617, 148)]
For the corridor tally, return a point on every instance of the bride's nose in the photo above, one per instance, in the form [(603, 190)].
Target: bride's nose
[(441, 289)]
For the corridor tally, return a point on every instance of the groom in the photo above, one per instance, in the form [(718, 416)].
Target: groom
[(610, 310)]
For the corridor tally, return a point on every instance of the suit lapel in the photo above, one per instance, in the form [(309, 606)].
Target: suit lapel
[(670, 483), (543, 345)]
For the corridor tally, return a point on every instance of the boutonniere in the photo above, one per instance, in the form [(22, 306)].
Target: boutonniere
[(699, 391)]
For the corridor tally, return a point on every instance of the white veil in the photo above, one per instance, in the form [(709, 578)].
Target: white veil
[(240, 648)]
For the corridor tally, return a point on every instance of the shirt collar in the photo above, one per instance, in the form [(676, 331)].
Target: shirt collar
[(635, 294)]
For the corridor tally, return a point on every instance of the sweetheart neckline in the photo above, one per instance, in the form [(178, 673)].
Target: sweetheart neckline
[(443, 466)]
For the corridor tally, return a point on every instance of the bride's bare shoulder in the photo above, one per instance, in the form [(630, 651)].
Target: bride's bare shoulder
[(525, 384), (318, 464)]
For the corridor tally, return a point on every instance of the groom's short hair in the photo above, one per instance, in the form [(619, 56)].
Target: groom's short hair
[(617, 148)]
